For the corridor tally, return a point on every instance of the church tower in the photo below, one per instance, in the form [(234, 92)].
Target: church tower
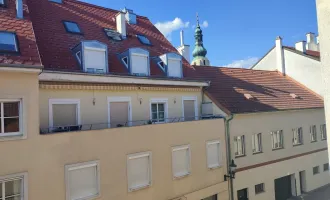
[(199, 52)]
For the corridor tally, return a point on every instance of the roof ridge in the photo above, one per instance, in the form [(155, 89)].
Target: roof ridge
[(101, 7), (232, 68)]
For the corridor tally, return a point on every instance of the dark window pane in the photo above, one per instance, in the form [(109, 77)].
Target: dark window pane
[(161, 107), (11, 109), (13, 187), (14, 198), (154, 115), (11, 125), (144, 40), (72, 27), (7, 41), (154, 107)]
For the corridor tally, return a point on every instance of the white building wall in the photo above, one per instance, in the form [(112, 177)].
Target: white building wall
[(268, 62), (269, 170), (305, 70)]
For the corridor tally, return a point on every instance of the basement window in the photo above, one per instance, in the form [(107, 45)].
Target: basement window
[(72, 27), (143, 39), (8, 42)]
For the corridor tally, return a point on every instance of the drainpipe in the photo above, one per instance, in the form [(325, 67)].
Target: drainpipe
[(228, 153)]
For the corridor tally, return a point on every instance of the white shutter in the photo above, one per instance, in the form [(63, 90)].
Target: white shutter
[(95, 59), (181, 161), (174, 68), (139, 170), (139, 64), (83, 181), (235, 145), (254, 148), (213, 154)]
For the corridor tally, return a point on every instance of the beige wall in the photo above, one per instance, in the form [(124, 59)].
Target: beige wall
[(216, 110), (248, 124), (98, 113)]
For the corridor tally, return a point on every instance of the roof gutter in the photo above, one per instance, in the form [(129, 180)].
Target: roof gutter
[(20, 68), (228, 153)]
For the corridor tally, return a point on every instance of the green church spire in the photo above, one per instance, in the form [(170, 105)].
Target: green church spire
[(199, 52)]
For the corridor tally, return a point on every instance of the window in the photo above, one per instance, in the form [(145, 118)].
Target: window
[(139, 64), (181, 161), (72, 27), (189, 105), (113, 34), (10, 118), (139, 171), (8, 42), (13, 187), (256, 143), (125, 61), (326, 167), (78, 56), (161, 65), (297, 136), (95, 60), (82, 180), (312, 130), (239, 145), (158, 110), (64, 114), (214, 157), (323, 132), (143, 39), (214, 197), (316, 170), (174, 68), (260, 188), (277, 139)]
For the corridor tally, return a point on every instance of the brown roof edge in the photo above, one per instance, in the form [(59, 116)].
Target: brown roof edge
[(262, 57), (217, 103), (300, 53), (22, 66)]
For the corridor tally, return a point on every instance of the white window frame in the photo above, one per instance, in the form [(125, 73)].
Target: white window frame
[(24, 186), (181, 70), (212, 142), (126, 64), (298, 135), (181, 148), (254, 146), (159, 100), (323, 133), (72, 167), (141, 55), (195, 99), (21, 132), (279, 137), (99, 50), (134, 156), (313, 135), (120, 99), (62, 101), (237, 154)]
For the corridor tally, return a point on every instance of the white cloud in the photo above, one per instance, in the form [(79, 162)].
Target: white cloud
[(205, 24), (169, 26), (246, 63)]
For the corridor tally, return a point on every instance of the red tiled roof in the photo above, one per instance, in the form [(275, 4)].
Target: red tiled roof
[(270, 89), (315, 54), (29, 54), (55, 43)]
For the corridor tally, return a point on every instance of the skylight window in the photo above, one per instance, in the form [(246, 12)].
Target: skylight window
[(2, 3), (112, 34), (8, 42), (143, 39), (72, 27)]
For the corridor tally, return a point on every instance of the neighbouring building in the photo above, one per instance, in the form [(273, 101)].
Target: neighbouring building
[(95, 103), (301, 62), (277, 131), (323, 14)]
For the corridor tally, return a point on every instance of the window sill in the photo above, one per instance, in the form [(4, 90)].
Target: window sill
[(181, 176), (297, 144), (278, 149), (313, 141), (214, 167), (254, 153), (323, 139), (239, 156), (260, 193), (139, 188), (16, 136)]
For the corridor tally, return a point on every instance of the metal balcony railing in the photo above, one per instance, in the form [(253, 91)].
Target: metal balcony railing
[(100, 126)]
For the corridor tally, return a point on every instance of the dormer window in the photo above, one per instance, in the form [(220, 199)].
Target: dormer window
[(143, 39), (171, 64), (136, 60), (72, 27), (92, 56), (8, 42)]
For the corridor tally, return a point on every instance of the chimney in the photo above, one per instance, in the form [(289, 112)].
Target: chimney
[(130, 16), (311, 43), (301, 46), (280, 63), (121, 24), (184, 49), (19, 9)]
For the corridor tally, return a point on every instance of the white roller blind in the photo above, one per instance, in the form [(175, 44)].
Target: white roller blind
[(83, 182), (181, 161), (139, 171), (213, 154), (174, 68), (139, 64), (95, 59)]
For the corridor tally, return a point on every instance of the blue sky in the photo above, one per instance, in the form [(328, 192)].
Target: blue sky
[(238, 31)]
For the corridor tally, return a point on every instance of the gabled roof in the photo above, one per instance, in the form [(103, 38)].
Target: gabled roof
[(28, 54), (55, 43), (271, 91), (309, 53)]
